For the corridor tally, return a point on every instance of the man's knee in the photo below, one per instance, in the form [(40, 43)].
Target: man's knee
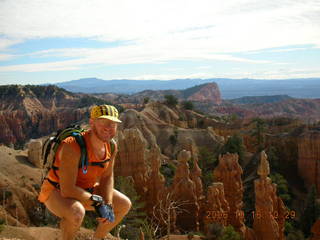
[(126, 205), (76, 215)]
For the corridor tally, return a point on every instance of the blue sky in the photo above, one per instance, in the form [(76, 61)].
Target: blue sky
[(47, 41)]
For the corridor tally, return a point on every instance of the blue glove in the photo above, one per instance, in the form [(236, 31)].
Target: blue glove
[(105, 211)]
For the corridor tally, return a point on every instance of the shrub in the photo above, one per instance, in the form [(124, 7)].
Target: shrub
[(170, 100), (188, 105)]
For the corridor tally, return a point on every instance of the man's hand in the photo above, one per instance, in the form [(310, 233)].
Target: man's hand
[(104, 211)]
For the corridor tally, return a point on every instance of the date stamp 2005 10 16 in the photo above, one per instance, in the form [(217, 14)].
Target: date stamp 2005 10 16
[(216, 215)]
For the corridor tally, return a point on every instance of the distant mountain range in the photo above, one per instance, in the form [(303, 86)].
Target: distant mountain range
[(230, 88)]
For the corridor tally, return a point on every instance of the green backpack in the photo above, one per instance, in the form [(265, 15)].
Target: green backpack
[(52, 143)]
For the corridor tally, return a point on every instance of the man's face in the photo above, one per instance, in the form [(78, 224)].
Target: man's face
[(104, 129)]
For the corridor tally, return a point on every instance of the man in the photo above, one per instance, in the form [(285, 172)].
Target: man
[(68, 191)]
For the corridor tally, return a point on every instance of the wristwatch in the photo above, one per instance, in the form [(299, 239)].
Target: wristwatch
[(96, 199)]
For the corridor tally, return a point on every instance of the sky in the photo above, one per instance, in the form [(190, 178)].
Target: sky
[(48, 41)]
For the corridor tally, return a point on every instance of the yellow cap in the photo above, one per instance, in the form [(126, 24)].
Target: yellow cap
[(105, 111)]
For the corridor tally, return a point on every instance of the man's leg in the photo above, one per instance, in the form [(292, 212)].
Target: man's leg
[(69, 210), (121, 206)]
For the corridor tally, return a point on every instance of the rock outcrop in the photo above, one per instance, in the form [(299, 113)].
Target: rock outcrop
[(33, 111), (34, 153), (207, 93), (315, 230), (19, 185), (309, 158), (168, 128)]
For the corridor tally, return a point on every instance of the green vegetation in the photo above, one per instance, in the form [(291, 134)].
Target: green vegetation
[(282, 187), (136, 217), (146, 100), (228, 119), (249, 202), (170, 100), (129, 228), (89, 220), (168, 170), (46, 91), (2, 222), (8, 90), (229, 233), (214, 231), (292, 233), (5, 194), (188, 105), (87, 101), (174, 138), (311, 211), (259, 133), (207, 162), (235, 144), (273, 159)]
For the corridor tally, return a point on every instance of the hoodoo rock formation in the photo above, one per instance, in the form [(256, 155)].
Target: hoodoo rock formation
[(265, 225), (217, 207), (229, 173), (156, 181), (196, 171), (133, 158), (184, 192)]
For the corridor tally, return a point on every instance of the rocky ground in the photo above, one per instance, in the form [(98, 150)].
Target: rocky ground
[(41, 233)]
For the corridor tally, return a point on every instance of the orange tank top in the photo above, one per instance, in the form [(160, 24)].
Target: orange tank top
[(95, 167)]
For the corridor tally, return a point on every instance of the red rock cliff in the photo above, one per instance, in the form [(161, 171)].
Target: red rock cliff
[(208, 93)]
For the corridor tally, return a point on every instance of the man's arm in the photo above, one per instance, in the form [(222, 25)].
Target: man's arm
[(107, 179)]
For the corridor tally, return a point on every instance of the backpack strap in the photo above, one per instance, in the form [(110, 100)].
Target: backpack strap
[(84, 155), (46, 148), (112, 145)]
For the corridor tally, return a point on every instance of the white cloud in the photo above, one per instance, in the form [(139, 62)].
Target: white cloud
[(5, 43), (276, 74), (159, 31), (119, 55), (5, 57), (237, 25)]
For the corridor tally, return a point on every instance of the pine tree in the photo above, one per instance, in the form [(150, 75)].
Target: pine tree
[(235, 144), (259, 133)]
